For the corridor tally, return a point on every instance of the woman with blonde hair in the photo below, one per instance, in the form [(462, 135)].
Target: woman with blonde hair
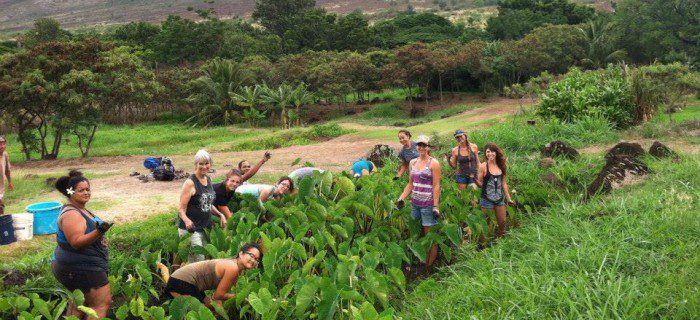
[(196, 203)]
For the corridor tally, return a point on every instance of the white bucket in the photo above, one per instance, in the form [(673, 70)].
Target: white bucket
[(23, 224)]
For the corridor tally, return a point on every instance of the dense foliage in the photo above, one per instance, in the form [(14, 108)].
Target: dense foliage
[(624, 96)]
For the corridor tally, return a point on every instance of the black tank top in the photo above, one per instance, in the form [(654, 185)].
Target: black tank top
[(91, 258), (199, 206), (467, 164), (492, 188)]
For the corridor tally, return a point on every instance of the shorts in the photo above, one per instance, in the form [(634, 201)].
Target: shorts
[(465, 179), (486, 204), (183, 288), (425, 214), (79, 279)]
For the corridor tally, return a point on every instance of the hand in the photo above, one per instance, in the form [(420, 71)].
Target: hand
[(189, 225), (400, 204), (436, 212), (102, 226), (267, 156), (222, 219), (510, 202), (10, 186), (396, 178)]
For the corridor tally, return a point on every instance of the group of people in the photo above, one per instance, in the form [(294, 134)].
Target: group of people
[(80, 260)]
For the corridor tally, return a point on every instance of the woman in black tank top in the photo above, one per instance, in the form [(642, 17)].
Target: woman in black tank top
[(465, 159), (494, 188), (196, 203)]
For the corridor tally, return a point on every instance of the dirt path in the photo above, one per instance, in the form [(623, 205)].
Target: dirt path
[(124, 198)]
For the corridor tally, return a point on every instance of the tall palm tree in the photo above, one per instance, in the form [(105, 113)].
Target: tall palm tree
[(213, 92), (279, 99), (301, 96), (249, 97), (600, 49)]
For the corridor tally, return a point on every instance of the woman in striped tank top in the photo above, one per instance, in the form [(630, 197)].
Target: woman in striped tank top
[(424, 187)]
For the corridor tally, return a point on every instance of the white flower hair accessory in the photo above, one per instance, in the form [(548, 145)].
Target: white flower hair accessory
[(70, 191)]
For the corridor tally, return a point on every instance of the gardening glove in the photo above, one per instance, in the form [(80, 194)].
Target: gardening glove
[(268, 155), (400, 204), (436, 212), (102, 226)]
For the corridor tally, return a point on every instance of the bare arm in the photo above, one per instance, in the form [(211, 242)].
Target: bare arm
[(402, 168), (264, 194), (228, 279), (437, 175), (506, 189), (73, 226), (453, 158), (475, 148), (185, 196), (254, 169), (480, 174), (225, 211), (409, 186)]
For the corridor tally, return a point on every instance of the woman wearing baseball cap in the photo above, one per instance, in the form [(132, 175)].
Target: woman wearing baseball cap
[(424, 188), (465, 158)]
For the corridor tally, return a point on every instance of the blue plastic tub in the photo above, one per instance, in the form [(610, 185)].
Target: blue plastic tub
[(45, 216), (7, 231)]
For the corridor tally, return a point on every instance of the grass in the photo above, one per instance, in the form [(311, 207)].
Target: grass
[(675, 124), (175, 138), (629, 255)]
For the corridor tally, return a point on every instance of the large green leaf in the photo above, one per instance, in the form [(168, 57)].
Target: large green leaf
[(452, 232), (261, 301), (398, 277), (179, 306), (304, 298), (329, 300)]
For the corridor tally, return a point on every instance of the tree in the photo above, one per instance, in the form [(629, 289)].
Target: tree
[(45, 30), (279, 99), (57, 89), (213, 91), (516, 18), (410, 28), (182, 40), (277, 15), (353, 33), (411, 66), (301, 96), (600, 44), (360, 73), (250, 97), (137, 33), (445, 56), (651, 29)]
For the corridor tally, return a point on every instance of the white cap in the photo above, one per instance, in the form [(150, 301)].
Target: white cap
[(423, 139)]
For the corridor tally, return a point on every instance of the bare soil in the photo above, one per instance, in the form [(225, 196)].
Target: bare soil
[(125, 198)]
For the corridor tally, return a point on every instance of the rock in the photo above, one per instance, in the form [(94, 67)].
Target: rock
[(531, 122), (551, 178), (631, 150), (379, 153), (546, 162), (559, 148), (617, 171), (659, 150)]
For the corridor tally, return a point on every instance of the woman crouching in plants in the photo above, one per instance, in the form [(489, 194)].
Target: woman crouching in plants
[(494, 186), (424, 187), (218, 275), (265, 192), (80, 260)]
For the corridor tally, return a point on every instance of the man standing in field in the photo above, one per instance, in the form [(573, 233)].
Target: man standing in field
[(4, 171)]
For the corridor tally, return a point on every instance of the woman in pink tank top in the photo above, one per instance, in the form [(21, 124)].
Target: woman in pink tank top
[(424, 188)]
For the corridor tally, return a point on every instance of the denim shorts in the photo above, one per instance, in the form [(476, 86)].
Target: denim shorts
[(486, 204), (465, 179), (426, 215)]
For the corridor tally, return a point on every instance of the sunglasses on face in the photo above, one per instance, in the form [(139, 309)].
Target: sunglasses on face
[(252, 256)]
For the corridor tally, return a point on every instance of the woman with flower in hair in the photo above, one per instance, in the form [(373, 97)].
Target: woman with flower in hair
[(80, 260)]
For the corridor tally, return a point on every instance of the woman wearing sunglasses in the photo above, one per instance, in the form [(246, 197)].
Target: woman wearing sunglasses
[(465, 158), (218, 275)]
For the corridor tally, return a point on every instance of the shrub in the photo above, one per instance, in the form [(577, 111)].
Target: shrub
[(590, 93)]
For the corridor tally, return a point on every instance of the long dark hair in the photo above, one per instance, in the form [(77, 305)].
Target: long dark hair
[(404, 131), (69, 182), (500, 156)]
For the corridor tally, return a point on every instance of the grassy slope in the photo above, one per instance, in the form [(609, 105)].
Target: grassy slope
[(630, 255)]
